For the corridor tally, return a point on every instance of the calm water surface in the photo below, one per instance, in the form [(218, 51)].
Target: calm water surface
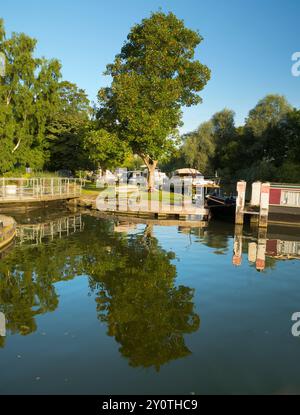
[(95, 306)]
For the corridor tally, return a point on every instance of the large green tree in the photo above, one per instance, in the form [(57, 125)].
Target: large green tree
[(268, 112), (153, 76), (265, 148), (199, 148), (66, 132), (104, 149), (224, 133), (28, 98)]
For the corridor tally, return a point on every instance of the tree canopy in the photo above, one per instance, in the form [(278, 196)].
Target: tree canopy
[(42, 118), (266, 147), (152, 77)]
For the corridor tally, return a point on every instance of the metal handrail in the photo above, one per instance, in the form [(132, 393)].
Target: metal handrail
[(22, 188)]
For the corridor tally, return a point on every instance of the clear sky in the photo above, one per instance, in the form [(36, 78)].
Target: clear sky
[(247, 44)]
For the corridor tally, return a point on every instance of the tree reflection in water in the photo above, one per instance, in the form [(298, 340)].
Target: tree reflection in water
[(132, 277), (140, 304)]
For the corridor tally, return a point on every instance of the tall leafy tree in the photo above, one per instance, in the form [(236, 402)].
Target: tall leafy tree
[(104, 149), (68, 128), (224, 132), (199, 148), (268, 112), (28, 98), (152, 77)]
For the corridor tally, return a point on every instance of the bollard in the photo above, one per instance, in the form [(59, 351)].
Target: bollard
[(240, 202), (264, 205)]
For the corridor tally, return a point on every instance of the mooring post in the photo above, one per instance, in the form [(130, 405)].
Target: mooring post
[(264, 205), (240, 202)]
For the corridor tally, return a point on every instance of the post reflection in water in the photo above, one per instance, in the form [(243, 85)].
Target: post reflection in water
[(265, 247), (131, 277), (2, 325)]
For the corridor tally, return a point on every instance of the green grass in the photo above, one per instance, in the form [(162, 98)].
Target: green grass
[(91, 189), (162, 195)]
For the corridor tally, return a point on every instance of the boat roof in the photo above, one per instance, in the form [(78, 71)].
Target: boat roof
[(188, 171)]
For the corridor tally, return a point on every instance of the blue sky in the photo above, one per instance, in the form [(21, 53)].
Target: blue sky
[(247, 44)]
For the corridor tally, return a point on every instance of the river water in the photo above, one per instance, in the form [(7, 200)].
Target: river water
[(94, 306)]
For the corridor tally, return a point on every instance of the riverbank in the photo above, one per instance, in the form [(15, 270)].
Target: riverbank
[(137, 203)]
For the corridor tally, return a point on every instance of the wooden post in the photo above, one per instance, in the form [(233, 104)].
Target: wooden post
[(264, 205), (240, 202)]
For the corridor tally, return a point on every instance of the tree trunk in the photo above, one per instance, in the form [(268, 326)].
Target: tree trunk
[(151, 165)]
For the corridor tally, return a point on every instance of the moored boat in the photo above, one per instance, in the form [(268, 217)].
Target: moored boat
[(221, 207)]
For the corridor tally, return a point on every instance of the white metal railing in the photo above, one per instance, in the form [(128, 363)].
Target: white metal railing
[(37, 189)]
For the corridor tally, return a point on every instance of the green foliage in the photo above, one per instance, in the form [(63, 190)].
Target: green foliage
[(28, 98), (105, 149), (152, 77), (224, 134), (266, 148), (199, 148), (269, 111), (67, 130), (42, 120)]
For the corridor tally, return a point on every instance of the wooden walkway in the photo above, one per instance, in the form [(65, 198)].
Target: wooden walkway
[(19, 190)]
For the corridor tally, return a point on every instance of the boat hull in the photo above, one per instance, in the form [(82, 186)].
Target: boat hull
[(221, 208)]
